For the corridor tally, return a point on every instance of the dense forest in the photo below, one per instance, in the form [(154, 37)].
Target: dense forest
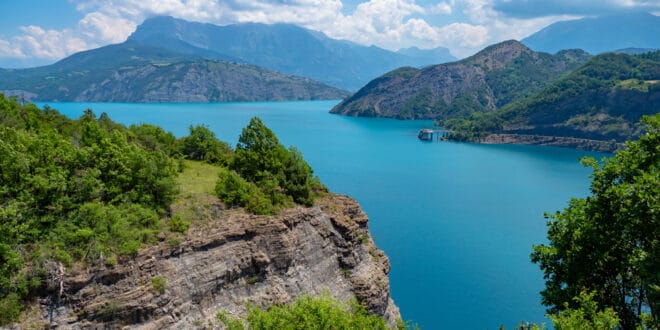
[(604, 99), (90, 191)]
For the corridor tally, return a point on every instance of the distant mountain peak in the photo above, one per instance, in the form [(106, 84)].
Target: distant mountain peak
[(499, 55), (599, 34), (282, 47)]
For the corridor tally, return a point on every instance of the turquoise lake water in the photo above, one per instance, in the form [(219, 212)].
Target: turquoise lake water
[(457, 220)]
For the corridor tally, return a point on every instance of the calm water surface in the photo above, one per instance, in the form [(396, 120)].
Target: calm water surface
[(457, 220)]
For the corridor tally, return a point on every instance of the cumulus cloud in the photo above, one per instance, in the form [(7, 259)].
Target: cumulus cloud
[(40, 43), (444, 8), (390, 24)]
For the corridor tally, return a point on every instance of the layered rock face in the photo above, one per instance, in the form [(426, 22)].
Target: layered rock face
[(226, 263)]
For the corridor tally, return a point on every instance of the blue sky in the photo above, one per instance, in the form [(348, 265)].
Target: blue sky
[(36, 32)]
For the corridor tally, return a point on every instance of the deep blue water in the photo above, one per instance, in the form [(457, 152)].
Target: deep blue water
[(457, 220)]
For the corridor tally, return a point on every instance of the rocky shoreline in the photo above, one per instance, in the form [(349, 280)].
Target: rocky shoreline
[(557, 141)]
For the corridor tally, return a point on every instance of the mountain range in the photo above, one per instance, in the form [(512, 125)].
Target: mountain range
[(596, 35), (284, 47), (131, 72), (173, 60), (486, 81)]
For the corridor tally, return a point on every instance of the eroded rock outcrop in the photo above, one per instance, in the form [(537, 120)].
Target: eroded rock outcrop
[(225, 263)]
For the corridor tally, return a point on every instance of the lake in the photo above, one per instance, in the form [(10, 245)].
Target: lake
[(457, 220)]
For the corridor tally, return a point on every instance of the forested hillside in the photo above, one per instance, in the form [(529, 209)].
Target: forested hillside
[(602, 100)]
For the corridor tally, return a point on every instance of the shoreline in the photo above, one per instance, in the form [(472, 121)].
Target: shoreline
[(557, 141)]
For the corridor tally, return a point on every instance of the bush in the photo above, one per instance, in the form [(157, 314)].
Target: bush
[(308, 312), (179, 225), (235, 191), (10, 308), (159, 284)]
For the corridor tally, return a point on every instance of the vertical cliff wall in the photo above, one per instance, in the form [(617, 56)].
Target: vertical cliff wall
[(226, 262)]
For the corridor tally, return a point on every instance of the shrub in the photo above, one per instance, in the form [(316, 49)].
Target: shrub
[(158, 284)]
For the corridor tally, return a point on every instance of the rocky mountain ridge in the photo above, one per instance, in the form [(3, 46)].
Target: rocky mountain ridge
[(483, 82), (131, 72), (285, 48), (221, 265)]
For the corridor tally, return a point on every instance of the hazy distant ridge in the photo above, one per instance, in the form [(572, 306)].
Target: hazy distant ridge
[(286, 48), (600, 34)]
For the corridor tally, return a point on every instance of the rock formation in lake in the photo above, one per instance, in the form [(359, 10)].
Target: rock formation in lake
[(224, 263)]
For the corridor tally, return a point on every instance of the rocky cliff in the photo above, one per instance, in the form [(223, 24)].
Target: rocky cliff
[(232, 259)]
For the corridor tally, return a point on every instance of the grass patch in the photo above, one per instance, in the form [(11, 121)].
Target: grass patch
[(197, 178), (195, 199)]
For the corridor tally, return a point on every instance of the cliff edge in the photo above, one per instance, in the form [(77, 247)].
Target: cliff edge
[(225, 262)]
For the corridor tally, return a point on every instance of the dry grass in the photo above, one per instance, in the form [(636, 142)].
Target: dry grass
[(196, 202)]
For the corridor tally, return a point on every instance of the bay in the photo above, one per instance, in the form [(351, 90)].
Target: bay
[(457, 220)]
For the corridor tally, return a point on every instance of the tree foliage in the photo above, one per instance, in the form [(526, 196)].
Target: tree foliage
[(309, 312), (202, 145), (90, 190), (609, 242), (81, 190), (264, 176)]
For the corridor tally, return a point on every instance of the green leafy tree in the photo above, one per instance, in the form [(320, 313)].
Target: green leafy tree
[(281, 175), (609, 242), (259, 153), (202, 144), (586, 316)]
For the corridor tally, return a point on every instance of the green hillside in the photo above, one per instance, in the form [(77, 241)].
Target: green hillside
[(602, 100)]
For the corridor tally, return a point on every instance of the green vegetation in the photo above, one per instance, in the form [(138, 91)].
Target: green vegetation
[(494, 77), (585, 316), (608, 244), (604, 99), (307, 312), (87, 192), (263, 176), (159, 284), (202, 145), (74, 191)]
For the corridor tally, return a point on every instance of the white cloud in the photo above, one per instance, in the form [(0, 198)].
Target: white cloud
[(39, 43), (391, 24), (443, 8), (105, 28)]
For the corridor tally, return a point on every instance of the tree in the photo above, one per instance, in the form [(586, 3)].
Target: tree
[(282, 175), (259, 153), (202, 144), (609, 242)]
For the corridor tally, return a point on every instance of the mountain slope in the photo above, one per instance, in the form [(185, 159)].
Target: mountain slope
[(602, 100), (600, 34), (484, 82), (131, 72), (285, 48)]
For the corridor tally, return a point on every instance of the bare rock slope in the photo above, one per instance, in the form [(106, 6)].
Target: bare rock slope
[(231, 260)]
